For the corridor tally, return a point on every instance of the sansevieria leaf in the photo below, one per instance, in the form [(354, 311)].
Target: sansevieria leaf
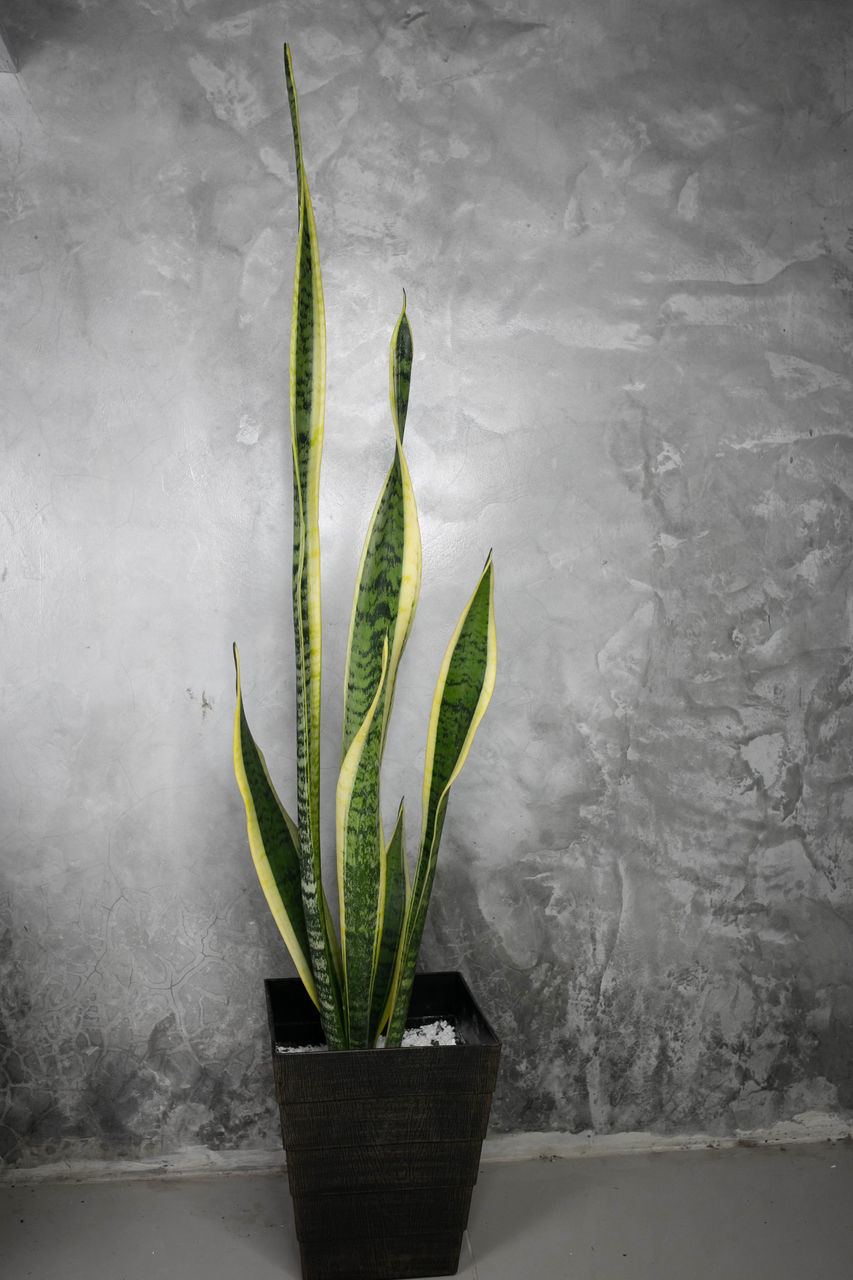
[(273, 841), (402, 354), (396, 893), (307, 404), (464, 687), (360, 866), (389, 575), (384, 605)]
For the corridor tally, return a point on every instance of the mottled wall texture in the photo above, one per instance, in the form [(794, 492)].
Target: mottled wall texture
[(626, 232)]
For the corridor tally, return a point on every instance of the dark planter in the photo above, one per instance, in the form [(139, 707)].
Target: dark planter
[(383, 1145)]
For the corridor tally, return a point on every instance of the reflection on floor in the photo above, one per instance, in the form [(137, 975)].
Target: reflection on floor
[(735, 1214)]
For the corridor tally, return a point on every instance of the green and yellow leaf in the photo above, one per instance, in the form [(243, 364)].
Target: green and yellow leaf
[(307, 406), (400, 372), (464, 687), (273, 840), (389, 574), (361, 868), (397, 890), (384, 605)]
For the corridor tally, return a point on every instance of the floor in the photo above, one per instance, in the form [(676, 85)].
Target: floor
[(735, 1214)]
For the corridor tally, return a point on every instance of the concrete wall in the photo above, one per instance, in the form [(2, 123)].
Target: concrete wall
[(625, 232)]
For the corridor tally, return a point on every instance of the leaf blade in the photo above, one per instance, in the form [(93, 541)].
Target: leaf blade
[(384, 604), (389, 573), (400, 371), (273, 841), (360, 866), (463, 691), (397, 893), (307, 410)]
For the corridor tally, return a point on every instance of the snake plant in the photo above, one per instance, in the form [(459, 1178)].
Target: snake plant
[(361, 980)]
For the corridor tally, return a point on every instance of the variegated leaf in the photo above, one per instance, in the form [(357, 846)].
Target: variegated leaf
[(360, 866), (273, 840), (462, 694), (397, 889), (307, 404)]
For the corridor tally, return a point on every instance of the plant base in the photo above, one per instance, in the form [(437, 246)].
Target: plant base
[(383, 1145)]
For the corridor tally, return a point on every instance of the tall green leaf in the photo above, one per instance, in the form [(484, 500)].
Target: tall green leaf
[(307, 404), (400, 373), (361, 866), (384, 605), (464, 687), (273, 840), (397, 890), (389, 574)]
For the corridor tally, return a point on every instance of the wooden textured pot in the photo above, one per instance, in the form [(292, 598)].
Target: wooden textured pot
[(383, 1145)]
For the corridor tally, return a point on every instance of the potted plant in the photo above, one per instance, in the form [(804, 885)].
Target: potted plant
[(382, 1143)]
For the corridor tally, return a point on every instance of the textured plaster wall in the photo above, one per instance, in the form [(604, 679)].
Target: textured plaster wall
[(625, 232)]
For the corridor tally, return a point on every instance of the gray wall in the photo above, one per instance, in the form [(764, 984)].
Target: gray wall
[(625, 232)]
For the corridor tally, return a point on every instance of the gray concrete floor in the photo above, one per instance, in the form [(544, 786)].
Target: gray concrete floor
[(736, 1214)]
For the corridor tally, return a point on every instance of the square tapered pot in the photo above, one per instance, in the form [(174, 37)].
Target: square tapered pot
[(383, 1145)]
